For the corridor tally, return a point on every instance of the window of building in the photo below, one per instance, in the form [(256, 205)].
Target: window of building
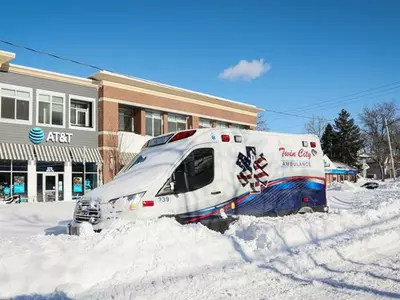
[(13, 178), (50, 108), (238, 126), (49, 166), (176, 122), (125, 118), (15, 104), (205, 123), (82, 112), (221, 124), (195, 172), (153, 123), (78, 183)]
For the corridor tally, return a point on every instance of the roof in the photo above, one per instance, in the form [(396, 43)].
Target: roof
[(152, 85), (6, 66), (336, 165), (340, 165), (120, 79)]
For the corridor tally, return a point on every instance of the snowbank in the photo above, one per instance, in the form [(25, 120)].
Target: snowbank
[(351, 253), (34, 218), (345, 186)]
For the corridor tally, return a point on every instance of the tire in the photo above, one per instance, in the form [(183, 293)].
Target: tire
[(305, 210)]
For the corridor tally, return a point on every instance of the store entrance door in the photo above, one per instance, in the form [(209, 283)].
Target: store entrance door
[(50, 184)]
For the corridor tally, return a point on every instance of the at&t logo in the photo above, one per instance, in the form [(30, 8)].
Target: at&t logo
[(36, 135)]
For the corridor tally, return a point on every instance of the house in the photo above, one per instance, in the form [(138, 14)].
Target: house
[(338, 171), (371, 168)]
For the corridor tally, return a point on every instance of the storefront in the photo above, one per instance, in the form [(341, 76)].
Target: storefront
[(48, 134), (41, 173), (339, 172)]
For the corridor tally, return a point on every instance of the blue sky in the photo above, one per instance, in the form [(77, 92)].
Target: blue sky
[(312, 51)]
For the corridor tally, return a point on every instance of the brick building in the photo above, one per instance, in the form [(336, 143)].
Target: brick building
[(132, 108), (106, 117)]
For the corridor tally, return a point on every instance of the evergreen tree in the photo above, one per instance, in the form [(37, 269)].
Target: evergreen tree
[(328, 140), (348, 140)]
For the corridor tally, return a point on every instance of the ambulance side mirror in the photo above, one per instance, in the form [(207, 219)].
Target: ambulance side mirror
[(172, 186)]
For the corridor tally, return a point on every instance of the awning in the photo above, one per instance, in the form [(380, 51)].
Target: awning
[(52, 153), (91, 155), (126, 157), (16, 151)]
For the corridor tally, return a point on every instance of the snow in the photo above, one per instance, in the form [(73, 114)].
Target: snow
[(34, 218), (353, 252)]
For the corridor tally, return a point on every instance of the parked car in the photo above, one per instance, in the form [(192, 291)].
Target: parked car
[(370, 185)]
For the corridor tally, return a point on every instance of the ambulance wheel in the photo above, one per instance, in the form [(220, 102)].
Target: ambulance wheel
[(220, 225), (305, 210)]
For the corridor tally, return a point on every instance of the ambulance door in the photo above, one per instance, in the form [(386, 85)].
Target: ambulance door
[(197, 180)]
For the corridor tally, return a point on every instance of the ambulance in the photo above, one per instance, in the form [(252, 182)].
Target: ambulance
[(211, 176)]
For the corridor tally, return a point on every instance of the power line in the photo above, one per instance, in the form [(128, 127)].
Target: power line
[(99, 68), (104, 69), (350, 100), (292, 115), (346, 96), (53, 55)]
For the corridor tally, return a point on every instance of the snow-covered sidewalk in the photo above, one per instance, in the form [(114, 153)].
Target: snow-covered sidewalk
[(351, 253)]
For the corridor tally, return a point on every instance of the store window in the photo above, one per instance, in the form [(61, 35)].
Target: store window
[(221, 124), (153, 123), (176, 122), (13, 178), (205, 123), (5, 185), (125, 118), (82, 112), (50, 108), (15, 104), (5, 165), (78, 182)]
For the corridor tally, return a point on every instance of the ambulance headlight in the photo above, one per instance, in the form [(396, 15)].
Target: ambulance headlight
[(134, 199), (131, 200)]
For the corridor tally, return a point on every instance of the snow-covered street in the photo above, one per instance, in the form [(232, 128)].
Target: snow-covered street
[(351, 253)]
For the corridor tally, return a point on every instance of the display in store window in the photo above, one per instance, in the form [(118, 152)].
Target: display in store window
[(77, 185), (88, 187), (6, 191), (19, 185)]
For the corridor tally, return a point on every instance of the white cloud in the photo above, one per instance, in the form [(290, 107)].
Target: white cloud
[(246, 70)]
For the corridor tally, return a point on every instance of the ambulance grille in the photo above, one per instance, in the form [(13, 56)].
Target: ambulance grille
[(87, 211)]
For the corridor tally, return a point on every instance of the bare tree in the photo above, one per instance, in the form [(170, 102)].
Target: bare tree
[(316, 125), (118, 147), (261, 123), (374, 131)]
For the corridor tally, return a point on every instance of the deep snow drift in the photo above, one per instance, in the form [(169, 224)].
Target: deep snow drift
[(351, 253)]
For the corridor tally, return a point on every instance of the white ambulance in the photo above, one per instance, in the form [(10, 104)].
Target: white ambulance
[(212, 176)]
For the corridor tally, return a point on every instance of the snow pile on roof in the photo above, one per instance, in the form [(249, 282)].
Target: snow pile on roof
[(352, 253), (345, 186)]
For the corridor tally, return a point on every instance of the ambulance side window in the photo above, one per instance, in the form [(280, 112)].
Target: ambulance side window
[(195, 172), (199, 168)]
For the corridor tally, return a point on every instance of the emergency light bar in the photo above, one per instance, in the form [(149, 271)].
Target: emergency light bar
[(182, 135)]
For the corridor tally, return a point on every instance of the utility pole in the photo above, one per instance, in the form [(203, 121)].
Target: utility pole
[(84, 170), (390, 149)]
